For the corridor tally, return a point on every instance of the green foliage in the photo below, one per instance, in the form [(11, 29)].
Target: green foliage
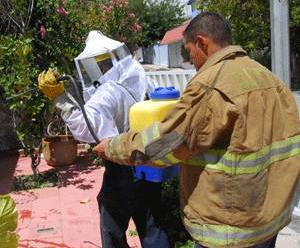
[(18, 74), (295, 26), (132, 233), (43, 180), (250, 20), (177, 234), (185, 244), (15, 16), (156, 17), (295, 42), (39, 34), (120, 23), (59, 32)]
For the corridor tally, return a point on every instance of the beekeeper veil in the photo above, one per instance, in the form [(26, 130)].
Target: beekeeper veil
[(99, 56), (106, 60)]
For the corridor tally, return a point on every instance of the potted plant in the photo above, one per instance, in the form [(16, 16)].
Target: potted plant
[(59, 147)]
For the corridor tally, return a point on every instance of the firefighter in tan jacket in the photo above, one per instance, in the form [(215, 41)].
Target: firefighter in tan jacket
[(236, 134)]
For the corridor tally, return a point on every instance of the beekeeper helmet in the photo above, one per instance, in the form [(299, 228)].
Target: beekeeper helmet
[(99, 55)]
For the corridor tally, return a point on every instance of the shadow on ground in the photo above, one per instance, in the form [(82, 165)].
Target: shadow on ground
[(72, 174)]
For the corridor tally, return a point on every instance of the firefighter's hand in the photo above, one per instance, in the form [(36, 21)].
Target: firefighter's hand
[(49, 85), (100, 148)]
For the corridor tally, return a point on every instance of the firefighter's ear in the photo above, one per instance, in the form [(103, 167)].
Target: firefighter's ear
[(202, 43), (199, 41)]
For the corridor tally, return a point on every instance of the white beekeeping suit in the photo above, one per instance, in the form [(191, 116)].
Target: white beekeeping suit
[(112, 81), (120, 82)]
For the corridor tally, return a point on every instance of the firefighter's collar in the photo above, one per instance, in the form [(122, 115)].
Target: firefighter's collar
[(220, 55)]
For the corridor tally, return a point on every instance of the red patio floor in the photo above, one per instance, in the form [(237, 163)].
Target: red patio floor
[(66, 216)]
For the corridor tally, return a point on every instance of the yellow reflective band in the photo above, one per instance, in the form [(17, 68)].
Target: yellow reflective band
[(115, 146), (236, 164), (226, 235), (145, 138), (159, 162), (172, 159), (169, 159), (265, 150), (151, 134), (102, 57)]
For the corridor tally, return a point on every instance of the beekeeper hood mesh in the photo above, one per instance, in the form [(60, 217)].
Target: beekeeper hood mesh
[(99, 56)]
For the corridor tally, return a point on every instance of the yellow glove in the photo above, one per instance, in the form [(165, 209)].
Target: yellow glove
[(49, 85)]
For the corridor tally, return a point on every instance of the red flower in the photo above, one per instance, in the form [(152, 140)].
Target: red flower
[(136, 28), (43, 31), (62, 11)]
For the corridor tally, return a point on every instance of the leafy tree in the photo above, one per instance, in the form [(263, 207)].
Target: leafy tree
[(295, 42), (250, 21), (15, 16), (120, 22), (156, 17), (36, 34), (295, 25), (58, 33), (18, 74)]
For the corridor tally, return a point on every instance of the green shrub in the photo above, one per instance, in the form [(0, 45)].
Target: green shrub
[(18, 74), (172, 222), (50, 33)]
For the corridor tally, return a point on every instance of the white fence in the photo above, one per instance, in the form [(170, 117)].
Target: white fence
[(179, 79), (176, 78)]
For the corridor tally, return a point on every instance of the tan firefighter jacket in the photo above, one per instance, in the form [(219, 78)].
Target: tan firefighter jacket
[(235, 132)]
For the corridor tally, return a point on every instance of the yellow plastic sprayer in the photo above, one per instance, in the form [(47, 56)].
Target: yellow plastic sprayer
[(142, 115)]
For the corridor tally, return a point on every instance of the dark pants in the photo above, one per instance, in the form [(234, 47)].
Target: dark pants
[(121, 198), (267, 244)]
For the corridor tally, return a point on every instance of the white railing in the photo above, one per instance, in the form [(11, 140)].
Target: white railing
[(177, 78)]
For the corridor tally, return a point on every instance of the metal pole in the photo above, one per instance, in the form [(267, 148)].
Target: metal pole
[(280, 42)]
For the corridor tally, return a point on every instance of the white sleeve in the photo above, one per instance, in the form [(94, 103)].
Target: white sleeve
[(88, 92), (100, 109)]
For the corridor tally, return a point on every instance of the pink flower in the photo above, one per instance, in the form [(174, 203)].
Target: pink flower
[(62, 11), (136, 28), (43, 31), (107, 9), (120, 2), (131, 15)]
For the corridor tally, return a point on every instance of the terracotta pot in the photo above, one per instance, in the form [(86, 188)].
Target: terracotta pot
[(59, 150)]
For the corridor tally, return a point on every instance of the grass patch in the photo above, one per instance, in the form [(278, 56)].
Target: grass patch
[(42, 180), (132, 233)]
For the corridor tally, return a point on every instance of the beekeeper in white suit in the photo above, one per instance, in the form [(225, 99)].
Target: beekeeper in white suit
[(112, 81)]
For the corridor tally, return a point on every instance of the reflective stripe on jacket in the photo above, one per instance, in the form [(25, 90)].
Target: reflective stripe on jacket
[(236, 133)]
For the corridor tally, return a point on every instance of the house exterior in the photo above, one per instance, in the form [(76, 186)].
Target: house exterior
[(173, 39), (168, 51)]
